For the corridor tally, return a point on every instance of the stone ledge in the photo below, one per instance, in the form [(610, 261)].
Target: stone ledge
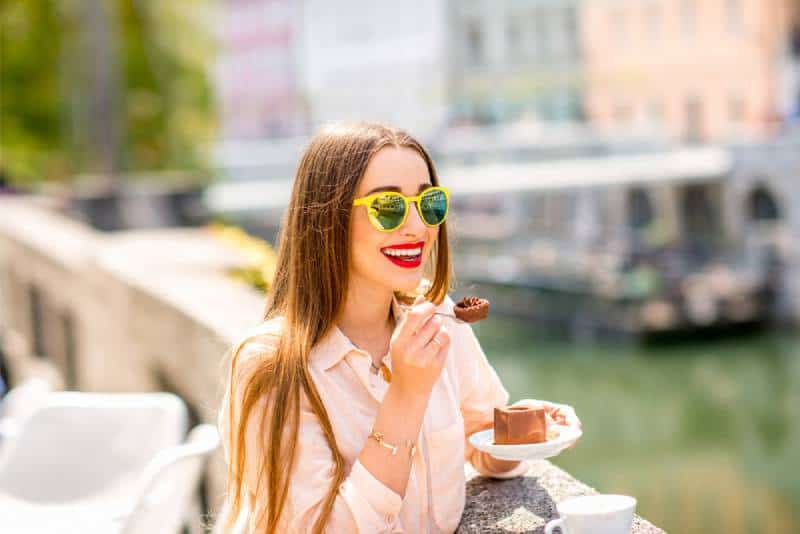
[(524, 504)]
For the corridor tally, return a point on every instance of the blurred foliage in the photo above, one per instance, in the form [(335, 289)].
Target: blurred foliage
[(159, 57), (261, 259)]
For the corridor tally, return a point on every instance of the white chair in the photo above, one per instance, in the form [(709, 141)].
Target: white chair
[(82, 444), (19, 403), (172, 480), (77, 463)]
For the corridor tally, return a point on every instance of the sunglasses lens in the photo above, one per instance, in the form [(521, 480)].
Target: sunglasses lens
[(389, 210), (433, 207)]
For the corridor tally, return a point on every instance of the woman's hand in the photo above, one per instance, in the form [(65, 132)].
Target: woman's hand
[(562, 414), (418, 350)]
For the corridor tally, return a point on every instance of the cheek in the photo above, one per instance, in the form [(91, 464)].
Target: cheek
[(364, 237)]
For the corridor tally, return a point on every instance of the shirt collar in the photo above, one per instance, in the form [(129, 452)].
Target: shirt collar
[(334, 346)]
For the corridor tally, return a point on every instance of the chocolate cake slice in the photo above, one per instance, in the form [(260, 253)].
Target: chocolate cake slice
[(515, 425)]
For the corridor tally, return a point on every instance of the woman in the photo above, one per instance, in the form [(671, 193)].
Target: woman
[(348, 409)]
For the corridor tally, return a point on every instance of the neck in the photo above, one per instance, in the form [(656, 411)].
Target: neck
[(367, 314)]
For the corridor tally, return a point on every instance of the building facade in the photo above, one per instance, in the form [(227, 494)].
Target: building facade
[(695, 70), (287, 66), (382, 61), (511, 59), (256, 75)]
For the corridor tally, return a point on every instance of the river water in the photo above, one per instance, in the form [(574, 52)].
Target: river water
[(705, 433)]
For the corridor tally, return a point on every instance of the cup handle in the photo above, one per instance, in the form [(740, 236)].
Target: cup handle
[(548, 528)]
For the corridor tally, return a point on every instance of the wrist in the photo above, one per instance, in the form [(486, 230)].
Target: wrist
[(412, 400)]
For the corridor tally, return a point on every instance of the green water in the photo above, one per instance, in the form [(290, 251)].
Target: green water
[(705, 434)]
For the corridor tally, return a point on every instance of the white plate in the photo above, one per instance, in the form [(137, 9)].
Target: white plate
[(484, 441)]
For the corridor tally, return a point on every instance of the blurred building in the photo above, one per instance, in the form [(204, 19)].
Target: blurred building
[(286, 66), (700, 70), (510, 59), (382, 61), (791, 67), (257, 79)]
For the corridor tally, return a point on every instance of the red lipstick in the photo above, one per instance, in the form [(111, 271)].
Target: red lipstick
[(406, 261)]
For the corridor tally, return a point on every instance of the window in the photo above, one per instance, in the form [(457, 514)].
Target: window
[(70, 349), (655, 111), (37, 321), (617, 25), (514, 44), (736, 109), (794, 42), (542, 34), (694, 119), (622, 113), (762, 205), (688, 18), (572, 31), (653, 20), (474, 43), (699, 211), (733, 16), (640, 209)]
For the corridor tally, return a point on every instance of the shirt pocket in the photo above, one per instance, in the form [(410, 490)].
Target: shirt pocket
[(446, 450)]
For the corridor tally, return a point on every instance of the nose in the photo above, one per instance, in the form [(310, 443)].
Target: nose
[(414, 225)]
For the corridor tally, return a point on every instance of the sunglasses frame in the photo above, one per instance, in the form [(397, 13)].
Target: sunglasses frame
[(367, 200)]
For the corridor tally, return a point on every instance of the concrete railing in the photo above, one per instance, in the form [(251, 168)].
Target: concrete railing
[(153, 310), (524, 504)]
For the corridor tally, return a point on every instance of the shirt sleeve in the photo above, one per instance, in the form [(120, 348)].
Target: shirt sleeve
[(480, 391), (363, 504)]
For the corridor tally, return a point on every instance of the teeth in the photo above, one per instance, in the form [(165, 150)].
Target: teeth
[(406, 252)]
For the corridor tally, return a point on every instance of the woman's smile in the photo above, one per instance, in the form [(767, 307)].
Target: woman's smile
[(406, 255)]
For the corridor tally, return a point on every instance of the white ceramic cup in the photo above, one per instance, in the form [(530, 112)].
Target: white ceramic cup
[(594, 514)]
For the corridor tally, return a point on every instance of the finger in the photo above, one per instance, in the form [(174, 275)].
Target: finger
[(417, 316), (440, 345), (406, 309), (426, 333), (570, 417)]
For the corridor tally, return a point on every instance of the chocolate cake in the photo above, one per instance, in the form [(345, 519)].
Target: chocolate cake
[(515, 425), (471, 309)]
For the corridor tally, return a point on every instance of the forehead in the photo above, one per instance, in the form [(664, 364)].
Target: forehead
[(400, 167)]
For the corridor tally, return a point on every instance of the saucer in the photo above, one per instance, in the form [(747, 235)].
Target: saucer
[(484, 441)]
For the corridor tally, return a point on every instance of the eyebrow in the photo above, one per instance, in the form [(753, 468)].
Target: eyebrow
[(397, 189)]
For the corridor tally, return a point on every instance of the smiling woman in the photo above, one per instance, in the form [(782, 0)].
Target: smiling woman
[(405, 235), (347, 409)]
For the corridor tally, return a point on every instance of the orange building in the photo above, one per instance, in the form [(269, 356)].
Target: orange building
[(693, 70)]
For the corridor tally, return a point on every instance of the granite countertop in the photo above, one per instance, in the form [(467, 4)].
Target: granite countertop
[(524, 504)]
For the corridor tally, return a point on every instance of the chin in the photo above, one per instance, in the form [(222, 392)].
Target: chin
[(405, 283)]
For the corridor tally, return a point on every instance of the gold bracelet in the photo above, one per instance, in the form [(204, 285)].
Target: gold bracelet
[(378, 437)]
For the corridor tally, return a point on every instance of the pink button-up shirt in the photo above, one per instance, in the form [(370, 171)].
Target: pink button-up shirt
[(462, 402)]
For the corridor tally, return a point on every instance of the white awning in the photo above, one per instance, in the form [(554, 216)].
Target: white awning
[(688, 165), (228, 197)]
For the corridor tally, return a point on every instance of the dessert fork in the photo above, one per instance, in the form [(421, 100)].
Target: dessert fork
[(448, 315)]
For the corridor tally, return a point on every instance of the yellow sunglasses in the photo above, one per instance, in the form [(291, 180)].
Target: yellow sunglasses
[(388, 210)]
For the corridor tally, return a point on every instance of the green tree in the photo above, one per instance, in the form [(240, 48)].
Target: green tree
[(104, 86)]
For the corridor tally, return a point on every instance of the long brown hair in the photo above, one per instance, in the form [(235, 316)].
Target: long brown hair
[(308, 292)]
